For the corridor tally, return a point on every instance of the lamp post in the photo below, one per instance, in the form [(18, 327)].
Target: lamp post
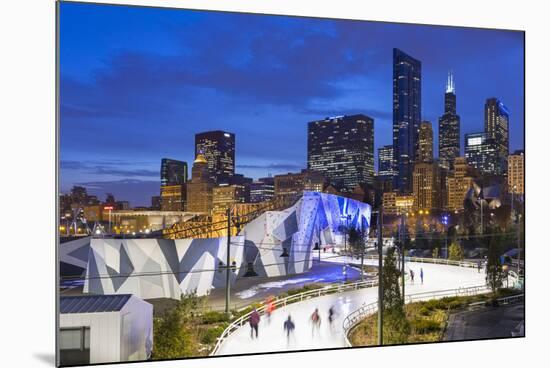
[(445, 221), (380, 284), (228, 266), (403, 256)]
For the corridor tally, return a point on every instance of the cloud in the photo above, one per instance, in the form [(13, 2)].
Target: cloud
[(112, 168)]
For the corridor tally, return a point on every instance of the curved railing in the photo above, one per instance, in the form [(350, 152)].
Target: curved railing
[(355, 317), (331, 289), (239, 322)]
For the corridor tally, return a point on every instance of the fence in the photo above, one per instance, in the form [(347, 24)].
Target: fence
[(355, 317), (239, 322), (331, 289)]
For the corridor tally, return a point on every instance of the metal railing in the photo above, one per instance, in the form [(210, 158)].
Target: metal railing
[(331, 289), (440, 261), (365, 310), (239, 322)]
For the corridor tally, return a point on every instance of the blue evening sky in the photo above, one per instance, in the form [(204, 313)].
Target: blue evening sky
[(138, 83)]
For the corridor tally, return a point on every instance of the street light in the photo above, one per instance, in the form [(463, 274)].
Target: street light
[(445, 221)]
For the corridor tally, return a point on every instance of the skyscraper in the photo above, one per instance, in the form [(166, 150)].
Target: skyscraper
[(406, 116), (342, 150), (449, 128), (218, 147), (481, 152), (425, 142), (173, 177), (496, 126), (385, 162)]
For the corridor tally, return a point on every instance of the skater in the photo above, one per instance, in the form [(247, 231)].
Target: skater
[(254, 321), (412, 276), (478, 265), (270, 307), (315, 321), (331, 317), (289, 328), (421, 275)]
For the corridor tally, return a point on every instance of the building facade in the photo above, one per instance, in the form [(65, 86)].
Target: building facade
[(342, 150), (262, 190), (199, 188), (481, 153), (425, 142), (496, 126), (218, 147), (516, 173), (292, 185), (385, 162), (460, 180), (407, 107), (173, 178), (449, 128), (173, 198), (224, 196), (426, 186)]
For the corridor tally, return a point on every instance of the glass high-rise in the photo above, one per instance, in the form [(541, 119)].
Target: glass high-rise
[(173, 172), (449, 128), (407, 107), (218, 147), (342, 150), (481, 152), (385, 162), (496, 126)]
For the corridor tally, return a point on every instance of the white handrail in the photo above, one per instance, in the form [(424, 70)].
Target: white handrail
[(338, 288), (366, 310), (239, 322)]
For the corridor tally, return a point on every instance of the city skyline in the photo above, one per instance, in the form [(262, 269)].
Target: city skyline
[(119, 92)]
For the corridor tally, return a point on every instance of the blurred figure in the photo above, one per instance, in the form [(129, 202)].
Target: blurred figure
[(289, 328), (270, 307), (315, 322), (412, 276), (421, 275), (254, 321), (331, 316)]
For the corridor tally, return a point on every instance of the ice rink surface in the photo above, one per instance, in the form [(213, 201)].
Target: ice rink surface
[(272, 337)]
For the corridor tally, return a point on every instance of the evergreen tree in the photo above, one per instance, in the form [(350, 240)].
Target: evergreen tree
[(455, 252), (495, 275)]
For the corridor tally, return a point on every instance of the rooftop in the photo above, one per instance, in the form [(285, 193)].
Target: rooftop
[(92, 303)]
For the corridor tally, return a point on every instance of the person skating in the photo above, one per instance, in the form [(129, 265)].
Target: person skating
[(412, 276), (289, 328), (421, 275), (254, 321), (315, 321)]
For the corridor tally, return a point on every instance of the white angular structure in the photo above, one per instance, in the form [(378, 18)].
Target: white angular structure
[(163, 268)]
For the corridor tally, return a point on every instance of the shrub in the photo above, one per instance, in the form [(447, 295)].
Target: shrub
[(214, 317), (422, 326), (211, 334)]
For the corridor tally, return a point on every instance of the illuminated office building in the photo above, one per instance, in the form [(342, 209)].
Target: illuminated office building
[(342, 150), (426, 186), (460, 180), (481, 152), (425, 142), (496, 126), (516, 172), (218, 147), (199, 188)]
